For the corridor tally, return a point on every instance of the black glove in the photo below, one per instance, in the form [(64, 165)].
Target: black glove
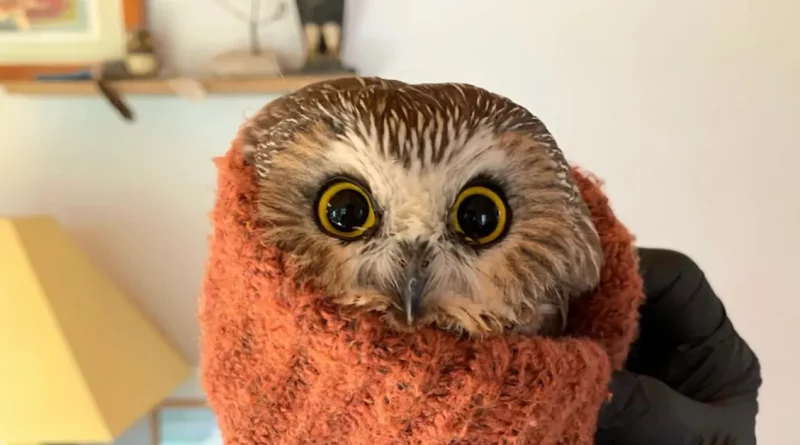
[(690, 378)]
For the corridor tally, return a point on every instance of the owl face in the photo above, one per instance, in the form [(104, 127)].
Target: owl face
[(436, 204)]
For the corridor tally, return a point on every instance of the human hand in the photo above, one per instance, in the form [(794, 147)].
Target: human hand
[(690, 378)]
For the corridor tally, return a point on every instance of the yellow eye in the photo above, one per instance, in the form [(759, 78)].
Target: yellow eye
[(344, 210), (480, 215)]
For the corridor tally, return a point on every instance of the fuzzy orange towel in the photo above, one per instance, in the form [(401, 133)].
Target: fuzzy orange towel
[(284, 367)]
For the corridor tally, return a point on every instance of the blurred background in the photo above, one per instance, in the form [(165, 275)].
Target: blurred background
[(687, 110)]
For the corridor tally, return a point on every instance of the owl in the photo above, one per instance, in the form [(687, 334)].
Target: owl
[(438, 205)]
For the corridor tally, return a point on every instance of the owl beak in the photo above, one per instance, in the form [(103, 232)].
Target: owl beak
[(414, 280), (413, 292)]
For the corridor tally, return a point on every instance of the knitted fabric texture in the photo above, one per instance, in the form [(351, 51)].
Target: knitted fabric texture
[(283, 366)]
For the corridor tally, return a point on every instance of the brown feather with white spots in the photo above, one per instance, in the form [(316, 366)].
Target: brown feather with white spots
[(414, 147)]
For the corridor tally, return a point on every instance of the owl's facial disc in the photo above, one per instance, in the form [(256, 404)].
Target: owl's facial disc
[(434, 204), (478, 219), (420, 247)]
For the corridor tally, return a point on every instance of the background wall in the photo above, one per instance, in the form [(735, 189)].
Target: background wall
[(685, 108)]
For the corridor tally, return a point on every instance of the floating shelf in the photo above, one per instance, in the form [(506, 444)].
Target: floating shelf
[(174, 86)]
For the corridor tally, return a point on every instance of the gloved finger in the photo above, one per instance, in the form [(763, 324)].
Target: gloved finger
[(681, 307), (686, 338), (643, 410)]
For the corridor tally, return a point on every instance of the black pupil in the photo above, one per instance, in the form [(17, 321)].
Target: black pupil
[(347, 210), (478, 216)]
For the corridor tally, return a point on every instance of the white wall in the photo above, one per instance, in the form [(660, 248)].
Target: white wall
[(685, 108)]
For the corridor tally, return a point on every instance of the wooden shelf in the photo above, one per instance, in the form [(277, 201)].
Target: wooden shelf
[(175, 86)]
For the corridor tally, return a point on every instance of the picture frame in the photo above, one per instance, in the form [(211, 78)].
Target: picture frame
[(46, 37), (185, 422)]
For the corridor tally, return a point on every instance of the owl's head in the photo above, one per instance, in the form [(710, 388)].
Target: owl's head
[(437, 204)]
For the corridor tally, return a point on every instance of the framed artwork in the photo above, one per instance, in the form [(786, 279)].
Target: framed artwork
[(56, 36), (185, 422)]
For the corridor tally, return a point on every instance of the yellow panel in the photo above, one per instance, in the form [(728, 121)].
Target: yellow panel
[(44, 397), (126, 362)]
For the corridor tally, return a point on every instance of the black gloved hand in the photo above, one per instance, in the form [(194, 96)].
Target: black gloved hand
[(690, 378)]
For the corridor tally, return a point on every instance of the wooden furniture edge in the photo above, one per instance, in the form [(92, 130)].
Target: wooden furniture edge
[(167, 86), (188, 402)]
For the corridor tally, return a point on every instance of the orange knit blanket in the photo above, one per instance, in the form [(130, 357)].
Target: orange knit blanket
[(282, 366)]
